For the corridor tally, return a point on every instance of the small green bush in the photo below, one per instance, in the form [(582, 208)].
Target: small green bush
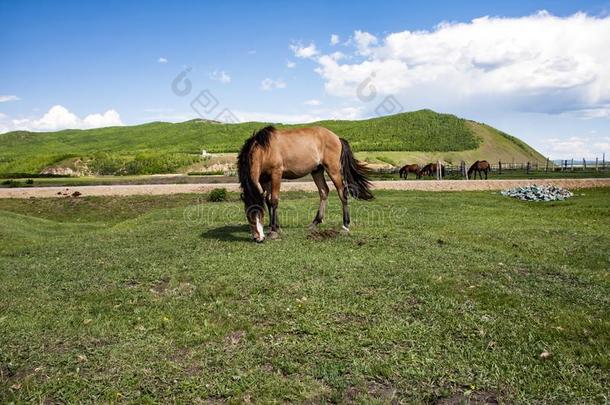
[(218, 195), (29, 181), (11, 183)]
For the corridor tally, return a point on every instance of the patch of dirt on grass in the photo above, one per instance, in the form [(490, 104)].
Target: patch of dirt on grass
[(234, 338), (382, 391), (183, 289), (323, 234), (183, 357), (161, 286), (470, 398), (351, 318)]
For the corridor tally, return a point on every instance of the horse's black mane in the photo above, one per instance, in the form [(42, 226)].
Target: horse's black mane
[(250, 193)]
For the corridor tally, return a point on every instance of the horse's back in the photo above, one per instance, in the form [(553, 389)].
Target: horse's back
[(299, 151)]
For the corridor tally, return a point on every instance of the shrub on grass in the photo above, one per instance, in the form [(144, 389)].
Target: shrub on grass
[(218, 195), (11, 183)]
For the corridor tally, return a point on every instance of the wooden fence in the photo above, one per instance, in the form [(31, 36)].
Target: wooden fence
[(460, 170)]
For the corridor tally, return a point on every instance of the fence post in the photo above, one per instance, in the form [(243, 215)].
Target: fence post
[(546, 167), (528, 167), (584, 164), (499, 167), (596, 163), (438, 170), (572, 165)]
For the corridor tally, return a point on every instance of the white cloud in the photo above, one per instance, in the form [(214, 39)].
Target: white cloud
[(337, 56), (290, 64), (313, 102), (304, 52), (575, 147), (162, 60), (364, 41), (270, 84), (59, 117), (602, 111), (344, 80), (107, 119), (252, 52), (221, 76), (346, 113), (4, 99), (334, 39), (534, 63)]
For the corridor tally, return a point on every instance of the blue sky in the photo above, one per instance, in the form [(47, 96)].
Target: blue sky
[(85, 64)]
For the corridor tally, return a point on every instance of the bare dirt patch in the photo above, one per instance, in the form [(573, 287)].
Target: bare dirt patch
[(235, 337), (323, 234)]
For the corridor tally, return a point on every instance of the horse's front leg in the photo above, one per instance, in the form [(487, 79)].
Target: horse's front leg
[(276, 179)]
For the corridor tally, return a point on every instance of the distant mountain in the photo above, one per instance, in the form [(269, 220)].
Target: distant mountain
[(160, 147)]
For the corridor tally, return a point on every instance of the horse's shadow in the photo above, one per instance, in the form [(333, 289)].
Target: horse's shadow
[(229, 233)]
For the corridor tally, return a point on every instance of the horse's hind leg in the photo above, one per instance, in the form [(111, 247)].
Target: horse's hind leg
[(335, 175), (318, 178)]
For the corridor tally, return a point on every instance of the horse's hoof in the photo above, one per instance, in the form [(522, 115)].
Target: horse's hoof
[(344, 230), (312, 227), (273, 235)]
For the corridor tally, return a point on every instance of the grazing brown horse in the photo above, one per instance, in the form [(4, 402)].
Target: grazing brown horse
[(271, 155), (406, 169), (478, 167), (430, 170)]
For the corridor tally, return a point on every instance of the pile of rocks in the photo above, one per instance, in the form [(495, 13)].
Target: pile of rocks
[(538, 193)]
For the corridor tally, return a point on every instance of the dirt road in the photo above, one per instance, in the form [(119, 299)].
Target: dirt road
[(161, 189)]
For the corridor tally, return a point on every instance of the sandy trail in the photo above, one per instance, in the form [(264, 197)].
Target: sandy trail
[(163, 189)]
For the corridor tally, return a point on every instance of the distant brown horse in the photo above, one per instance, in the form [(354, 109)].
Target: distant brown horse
[(271, 155), (478, 167), (430, 170), (406, 169)]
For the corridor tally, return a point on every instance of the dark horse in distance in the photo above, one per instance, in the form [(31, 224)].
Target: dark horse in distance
[(271, 155), (406, 169), (431, 168), (478, 167)]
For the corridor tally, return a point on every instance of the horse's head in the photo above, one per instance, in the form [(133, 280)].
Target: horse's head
[(256, 215), (252, 195)]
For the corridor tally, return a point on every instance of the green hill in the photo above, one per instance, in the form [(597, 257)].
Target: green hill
[(160, 147)]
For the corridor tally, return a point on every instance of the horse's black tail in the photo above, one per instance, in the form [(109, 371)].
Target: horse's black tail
[(354, 174)]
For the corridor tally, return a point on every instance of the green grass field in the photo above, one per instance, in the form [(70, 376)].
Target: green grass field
[(433, 296), (169, 148)]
